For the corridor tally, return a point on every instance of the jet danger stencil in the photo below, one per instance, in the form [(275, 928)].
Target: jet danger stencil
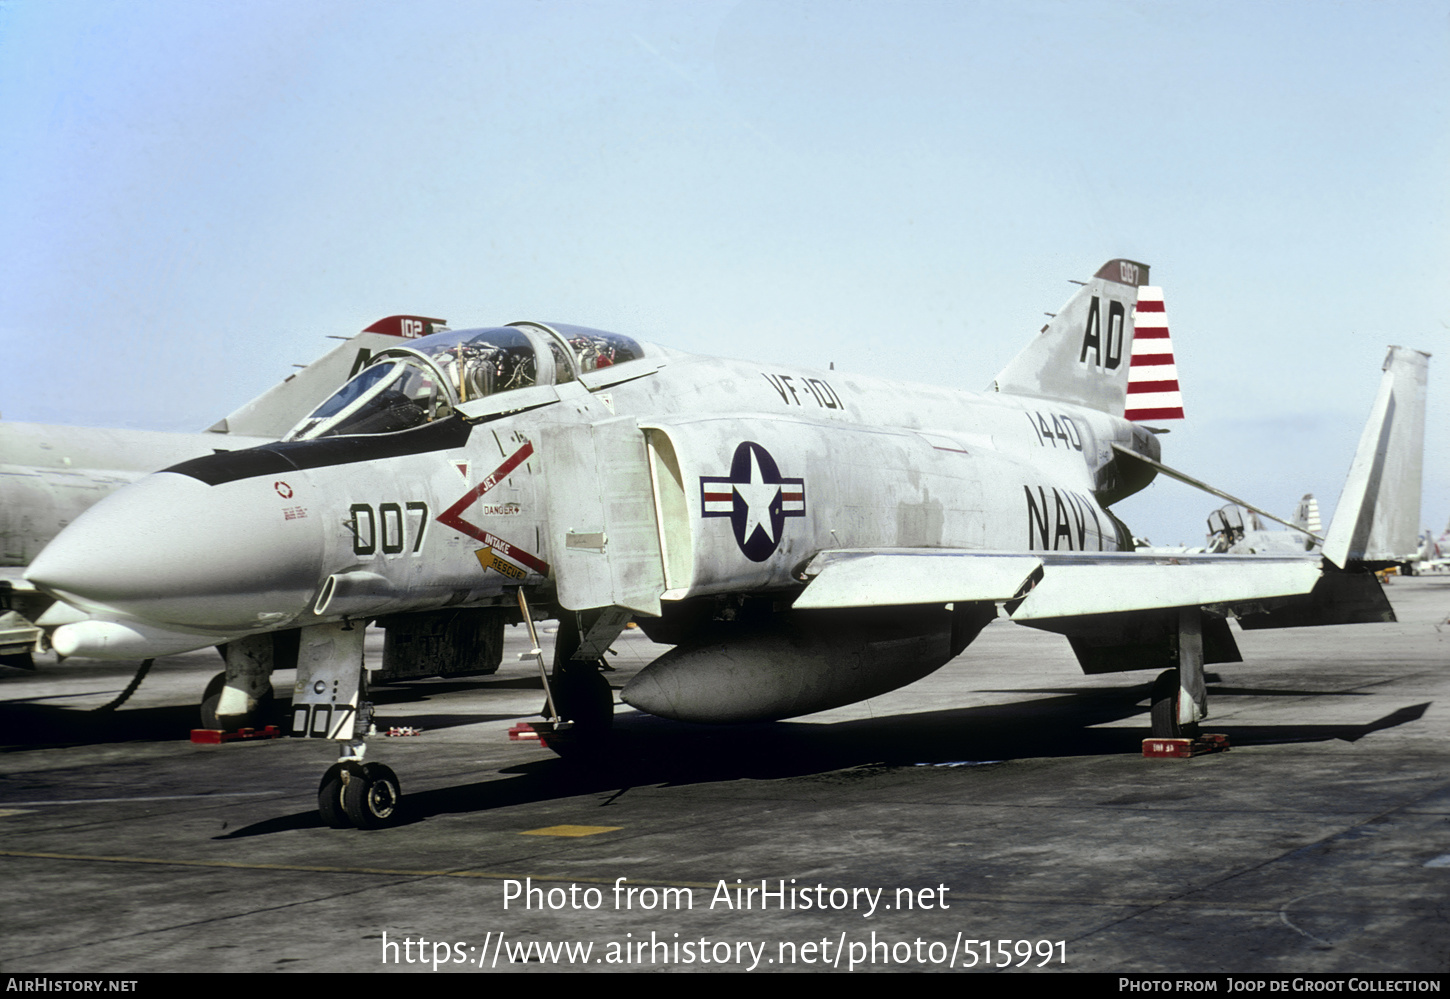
[(489, 557), (756, 498)]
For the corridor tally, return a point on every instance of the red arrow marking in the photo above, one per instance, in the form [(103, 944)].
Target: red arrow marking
[(453, 516)]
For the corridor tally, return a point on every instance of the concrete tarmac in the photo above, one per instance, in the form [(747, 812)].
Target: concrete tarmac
[(1003, 800)]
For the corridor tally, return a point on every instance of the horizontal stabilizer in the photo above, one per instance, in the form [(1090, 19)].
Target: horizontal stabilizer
[(1338, 598)]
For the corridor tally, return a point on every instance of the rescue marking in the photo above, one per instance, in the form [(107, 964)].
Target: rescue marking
[(756, 498), (489, 560)]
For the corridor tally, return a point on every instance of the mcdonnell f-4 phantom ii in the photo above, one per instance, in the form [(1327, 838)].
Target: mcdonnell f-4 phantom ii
[(803, 538)]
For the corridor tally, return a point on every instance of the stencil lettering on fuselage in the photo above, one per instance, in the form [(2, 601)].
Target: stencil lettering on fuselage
[(1062, 428), (756, 498), (796, 390), (385, 528), (1059, 522)]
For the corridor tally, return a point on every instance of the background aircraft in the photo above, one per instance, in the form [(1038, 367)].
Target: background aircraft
[(803, 538), (50, 474), (1239, 530), (1432, 555)]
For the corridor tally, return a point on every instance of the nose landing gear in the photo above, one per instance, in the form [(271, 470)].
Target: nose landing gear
[(357, 794)]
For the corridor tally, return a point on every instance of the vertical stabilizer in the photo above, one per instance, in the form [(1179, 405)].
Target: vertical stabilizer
[(1378, 515), (1306, 515), (283, 406), (1083, 356)]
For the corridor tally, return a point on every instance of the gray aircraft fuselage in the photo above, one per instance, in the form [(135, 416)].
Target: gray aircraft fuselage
[(748, 471)]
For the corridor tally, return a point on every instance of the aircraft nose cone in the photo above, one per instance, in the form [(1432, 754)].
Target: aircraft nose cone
[(171, 549)]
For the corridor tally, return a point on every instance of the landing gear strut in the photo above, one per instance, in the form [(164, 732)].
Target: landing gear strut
[(578, 701), (1180, 696), (242, 696), (1165, 697), (328, 702)]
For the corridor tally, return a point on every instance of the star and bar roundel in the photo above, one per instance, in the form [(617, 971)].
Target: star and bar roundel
[(756, 498)]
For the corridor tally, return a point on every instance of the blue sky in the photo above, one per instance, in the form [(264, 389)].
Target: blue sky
[(193, 194)]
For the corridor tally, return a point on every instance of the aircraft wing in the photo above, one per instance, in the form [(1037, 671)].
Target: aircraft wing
[(896, 576), (1043, 585)]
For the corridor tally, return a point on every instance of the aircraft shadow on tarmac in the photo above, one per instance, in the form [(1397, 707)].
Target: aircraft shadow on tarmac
[(650, 751), (26, 724)]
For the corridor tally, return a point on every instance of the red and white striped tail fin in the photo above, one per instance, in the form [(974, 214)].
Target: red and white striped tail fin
[(1153, 392)]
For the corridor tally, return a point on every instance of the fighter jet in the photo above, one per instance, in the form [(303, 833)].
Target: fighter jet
[(803, 538), (50, 474), (1431, 558)]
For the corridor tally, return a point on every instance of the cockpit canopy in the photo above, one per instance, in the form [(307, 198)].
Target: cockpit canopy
[(407, 386)]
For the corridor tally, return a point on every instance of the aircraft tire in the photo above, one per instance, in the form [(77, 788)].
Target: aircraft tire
[(588, 701), (371, 799), (330, 792), (583, 697), (210, 698), (1164, 713)]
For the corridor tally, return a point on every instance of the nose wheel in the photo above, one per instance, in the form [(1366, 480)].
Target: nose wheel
[(364, 796)]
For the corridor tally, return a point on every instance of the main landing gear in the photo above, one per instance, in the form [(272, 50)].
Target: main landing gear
[(1166, 696), (258, 713), (241, 697), (1180, 696), (578, 701)]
